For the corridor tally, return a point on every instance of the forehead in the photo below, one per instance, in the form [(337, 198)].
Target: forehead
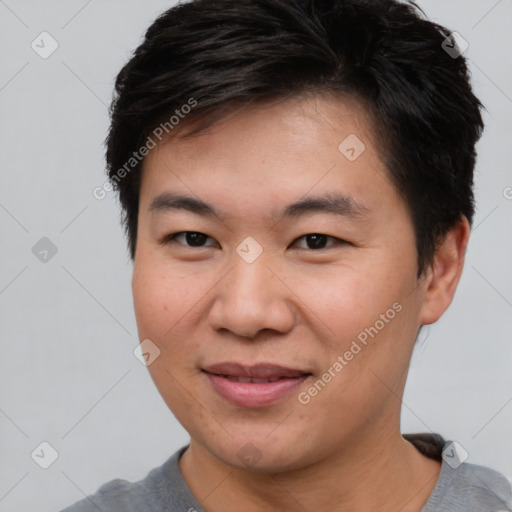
[(308, 115), (270, 153)]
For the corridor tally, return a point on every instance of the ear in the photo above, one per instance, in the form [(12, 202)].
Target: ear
[(443, 276)]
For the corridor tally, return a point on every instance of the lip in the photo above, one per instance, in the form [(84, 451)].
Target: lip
[(254, 394), (257, 371)]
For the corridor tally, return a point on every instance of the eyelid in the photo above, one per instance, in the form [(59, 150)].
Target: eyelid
[(172, 236), (337, 241)]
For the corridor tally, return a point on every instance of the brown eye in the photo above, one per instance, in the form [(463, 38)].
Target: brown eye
[(317, 241), (191, 238)]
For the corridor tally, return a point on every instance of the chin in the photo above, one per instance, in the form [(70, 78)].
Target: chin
[(258, 454)]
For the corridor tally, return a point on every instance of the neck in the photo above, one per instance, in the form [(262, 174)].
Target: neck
[(388, 474)]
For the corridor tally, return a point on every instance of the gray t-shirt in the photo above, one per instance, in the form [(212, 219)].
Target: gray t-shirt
[(461, 486)]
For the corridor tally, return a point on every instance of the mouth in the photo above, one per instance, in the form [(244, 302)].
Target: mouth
[(254, 386), (255, 380)]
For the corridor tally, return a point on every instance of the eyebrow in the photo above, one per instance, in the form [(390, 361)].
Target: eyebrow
[(333, 203)]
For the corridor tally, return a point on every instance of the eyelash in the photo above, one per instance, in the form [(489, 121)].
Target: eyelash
[(171, 238)]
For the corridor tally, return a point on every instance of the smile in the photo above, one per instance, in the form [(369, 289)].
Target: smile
[(254, 386)]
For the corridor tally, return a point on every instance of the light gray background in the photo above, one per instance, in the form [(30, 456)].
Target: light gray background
[(68, 373)]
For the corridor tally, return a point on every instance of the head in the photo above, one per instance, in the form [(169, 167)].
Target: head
[(334, 143)]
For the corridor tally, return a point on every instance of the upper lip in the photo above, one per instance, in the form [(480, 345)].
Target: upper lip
[(257, 371)]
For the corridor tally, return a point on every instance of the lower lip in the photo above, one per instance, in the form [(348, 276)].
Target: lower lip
[(253, 394)]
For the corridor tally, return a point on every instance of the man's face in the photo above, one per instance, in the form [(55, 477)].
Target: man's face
[(341, 308)]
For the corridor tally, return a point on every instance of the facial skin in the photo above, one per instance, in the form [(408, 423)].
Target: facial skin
[(294, 305)]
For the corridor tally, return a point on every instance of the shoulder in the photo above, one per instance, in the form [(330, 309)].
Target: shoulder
[(462, 486), (482, 486), (467, 487), (114, 496), (473, 486), (161, 486)]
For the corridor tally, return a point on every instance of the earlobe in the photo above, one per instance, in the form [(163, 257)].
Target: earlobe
[(443, 278)]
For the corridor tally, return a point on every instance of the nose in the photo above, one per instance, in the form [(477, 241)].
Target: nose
[(252, 298)]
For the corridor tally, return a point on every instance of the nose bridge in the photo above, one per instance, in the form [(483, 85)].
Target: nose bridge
[(251, 298), (251, 288)]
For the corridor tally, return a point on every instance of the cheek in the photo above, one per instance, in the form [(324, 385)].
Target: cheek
[(161, 305), (167, 303), (368, 320), (161, 298), (150, 304), (342, 301)]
